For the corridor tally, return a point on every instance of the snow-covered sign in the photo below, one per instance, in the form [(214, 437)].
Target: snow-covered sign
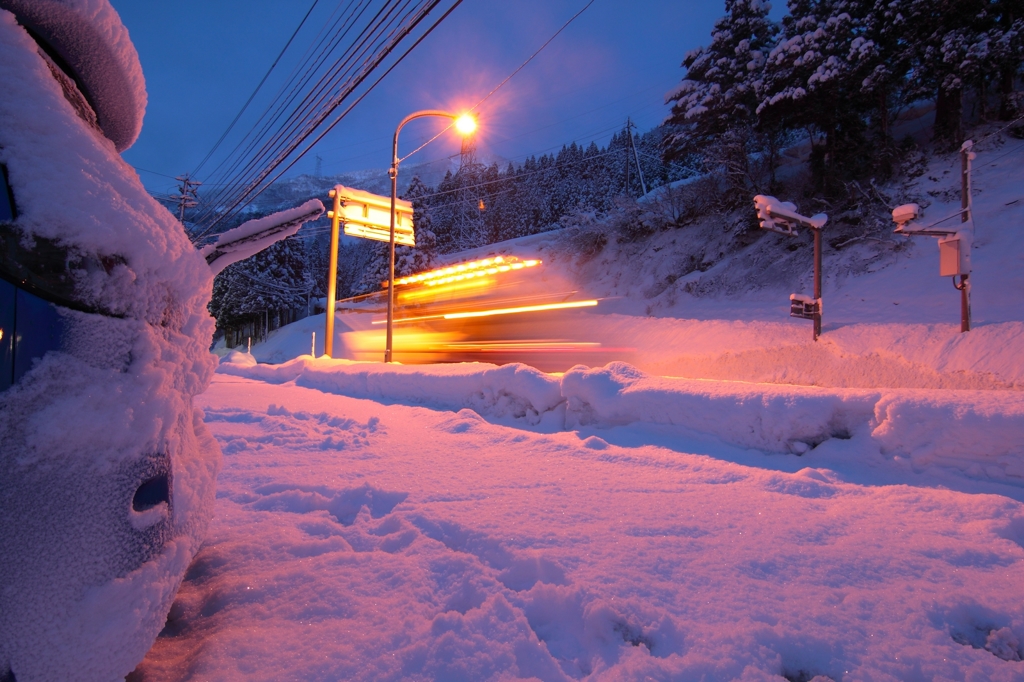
[(781, 216), (369, 216), (803, 306)]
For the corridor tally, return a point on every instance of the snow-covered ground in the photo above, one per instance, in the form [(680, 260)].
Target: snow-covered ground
[(734, 501), (371, 538)]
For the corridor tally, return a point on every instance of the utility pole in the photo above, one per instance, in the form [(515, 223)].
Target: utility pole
[(636, 157), (627, 158), (966, 156), (187, 196)]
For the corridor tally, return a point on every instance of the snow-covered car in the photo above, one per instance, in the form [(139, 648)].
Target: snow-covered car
[(107, 471)]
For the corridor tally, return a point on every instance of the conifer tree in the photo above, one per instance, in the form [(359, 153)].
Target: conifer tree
[(811, 83), (720, 89), (714, 113)]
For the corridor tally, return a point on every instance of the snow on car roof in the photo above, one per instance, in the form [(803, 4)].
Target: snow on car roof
[(93, 43)]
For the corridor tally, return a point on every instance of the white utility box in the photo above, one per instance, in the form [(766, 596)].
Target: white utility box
[(955, 255)]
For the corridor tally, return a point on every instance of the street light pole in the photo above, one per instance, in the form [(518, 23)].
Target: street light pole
[(465, 125), (817, 281)]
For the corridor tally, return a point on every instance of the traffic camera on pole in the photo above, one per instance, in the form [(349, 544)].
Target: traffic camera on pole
[(782, 217), (954, 242), (954, 249)]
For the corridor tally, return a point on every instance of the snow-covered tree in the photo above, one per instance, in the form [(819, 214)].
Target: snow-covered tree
[(720, 90), (263, 286), (714, 115), (965, 47), (812, 83)]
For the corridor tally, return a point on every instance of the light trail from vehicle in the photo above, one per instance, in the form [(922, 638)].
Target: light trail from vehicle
[(522, 309), (499, 309)]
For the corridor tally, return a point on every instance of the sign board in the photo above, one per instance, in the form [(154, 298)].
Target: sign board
[(781, 216), (804, 306), (369, 216)]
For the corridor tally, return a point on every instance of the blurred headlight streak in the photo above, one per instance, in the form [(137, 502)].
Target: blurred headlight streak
[(521, 309), (499, 309)]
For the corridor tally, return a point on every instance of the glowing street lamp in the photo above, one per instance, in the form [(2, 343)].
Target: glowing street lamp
[(465, 124)]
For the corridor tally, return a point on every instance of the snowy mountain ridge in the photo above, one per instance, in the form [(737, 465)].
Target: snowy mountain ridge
[(292, 191)]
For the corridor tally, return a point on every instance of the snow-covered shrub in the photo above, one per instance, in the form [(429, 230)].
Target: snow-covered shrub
[(584, 235)]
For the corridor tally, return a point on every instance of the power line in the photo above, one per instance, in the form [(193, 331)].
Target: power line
[(357, 101), (386, 30), (252, 188), (507, 79), (530, 58), (258, 86)]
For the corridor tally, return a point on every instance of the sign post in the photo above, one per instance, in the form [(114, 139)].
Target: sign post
[(781, 216), (363, 215)]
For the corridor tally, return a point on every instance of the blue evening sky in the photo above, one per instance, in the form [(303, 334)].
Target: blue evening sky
[(203, 59)]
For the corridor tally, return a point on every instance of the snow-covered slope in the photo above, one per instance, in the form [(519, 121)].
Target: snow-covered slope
[(711, 300)]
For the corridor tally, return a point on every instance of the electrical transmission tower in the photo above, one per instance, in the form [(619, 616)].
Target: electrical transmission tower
[(467, 156), (319, 172), (187, 196), (636, 156), (467, 215)]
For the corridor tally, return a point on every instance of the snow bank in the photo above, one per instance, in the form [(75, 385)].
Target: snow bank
[(516, 391), (977, 432), (852, 356), (773, 418)]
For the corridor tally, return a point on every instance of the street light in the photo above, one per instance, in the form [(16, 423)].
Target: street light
[(465, 124)]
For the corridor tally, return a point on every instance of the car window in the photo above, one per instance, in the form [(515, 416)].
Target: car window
[(29, 325)]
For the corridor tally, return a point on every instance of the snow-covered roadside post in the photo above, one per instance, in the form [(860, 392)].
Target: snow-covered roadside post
[(954, 243), (254, 236), (781, 216)]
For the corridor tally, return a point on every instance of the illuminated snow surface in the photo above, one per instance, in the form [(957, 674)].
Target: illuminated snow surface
[(468, 522), (370, 539)]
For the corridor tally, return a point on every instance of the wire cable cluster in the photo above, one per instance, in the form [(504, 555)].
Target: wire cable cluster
[(351, 45)]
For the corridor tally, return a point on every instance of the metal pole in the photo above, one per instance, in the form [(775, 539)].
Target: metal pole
[(183, 200), (965, 215), (393, 172), (627, 163), (636, 155), (817, 281), (332, 274)]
